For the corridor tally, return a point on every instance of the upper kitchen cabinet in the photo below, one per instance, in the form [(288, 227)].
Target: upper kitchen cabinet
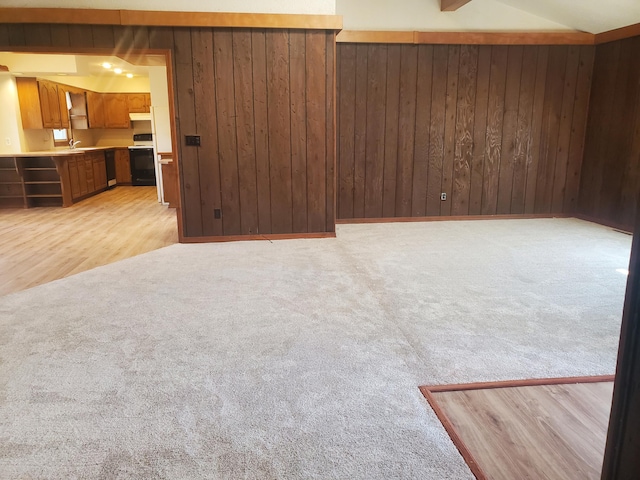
[(42, 104), (95, 110), (116, 110), (139, 102)]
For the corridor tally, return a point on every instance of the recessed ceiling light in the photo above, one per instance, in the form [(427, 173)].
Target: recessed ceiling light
[(61, 74), (129, 75), (117, 70), (106, 65)]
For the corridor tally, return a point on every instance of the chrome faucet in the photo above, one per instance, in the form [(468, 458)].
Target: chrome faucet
[(73, 144)]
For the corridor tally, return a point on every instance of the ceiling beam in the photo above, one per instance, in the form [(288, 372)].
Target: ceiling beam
[(452, 5)]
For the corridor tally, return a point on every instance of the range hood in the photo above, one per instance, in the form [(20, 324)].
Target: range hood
[(136, 117)]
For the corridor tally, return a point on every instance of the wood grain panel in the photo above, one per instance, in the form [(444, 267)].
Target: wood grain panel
[(464, 129), (610, 180), (277, 44), (223, 56), (374, 153), (346, 127), (316, 131), (263, 177), (421, 144), (436, 128), (245, 125), (297, 58), (207, 128), (510, 128), (498, 127), (330, 112)]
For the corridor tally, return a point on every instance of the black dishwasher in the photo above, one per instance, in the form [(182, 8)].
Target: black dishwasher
[(110, 162)]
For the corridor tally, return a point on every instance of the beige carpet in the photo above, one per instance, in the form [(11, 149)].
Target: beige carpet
[(298, 358)]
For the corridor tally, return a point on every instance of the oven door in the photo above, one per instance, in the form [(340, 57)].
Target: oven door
[(143, 170)]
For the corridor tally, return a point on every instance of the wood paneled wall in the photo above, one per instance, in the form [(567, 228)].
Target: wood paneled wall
[(262, 101), (611, 178), (499, 129)]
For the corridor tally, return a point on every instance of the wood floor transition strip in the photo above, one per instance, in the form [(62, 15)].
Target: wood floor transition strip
[(439, 406)]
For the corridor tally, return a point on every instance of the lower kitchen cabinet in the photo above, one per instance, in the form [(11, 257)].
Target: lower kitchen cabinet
[(123, 167)]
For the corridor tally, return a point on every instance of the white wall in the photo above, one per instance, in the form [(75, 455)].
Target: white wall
[(426, 15), (160, 107), (315, 7), (11, 135)]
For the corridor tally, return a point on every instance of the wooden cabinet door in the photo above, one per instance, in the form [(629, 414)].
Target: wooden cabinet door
[(49, 104), (64, 112), (138, 102), (29, 99), (82, 176), (88, 169), (99, 171), (116, 111), (74, 178), (95, 109), (123, 167)]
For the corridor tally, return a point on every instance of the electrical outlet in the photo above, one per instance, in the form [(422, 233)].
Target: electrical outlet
[(7, 141), (217, 213), (193, 140), (443, 196)]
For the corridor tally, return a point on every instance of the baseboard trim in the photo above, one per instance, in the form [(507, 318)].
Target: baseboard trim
[(605, 223), (346, 221), (428, 391), (266, 236)]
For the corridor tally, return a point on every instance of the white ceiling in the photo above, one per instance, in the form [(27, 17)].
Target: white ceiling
[(593, 16)]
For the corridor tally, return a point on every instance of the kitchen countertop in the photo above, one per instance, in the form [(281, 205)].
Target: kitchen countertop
[(62, 152)]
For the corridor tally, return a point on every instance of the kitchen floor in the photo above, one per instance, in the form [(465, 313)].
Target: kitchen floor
[(39, 245)]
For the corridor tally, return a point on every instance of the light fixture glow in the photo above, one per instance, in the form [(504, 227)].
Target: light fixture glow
[(106, 65), (129, 75), (623, 271), (117, 70)]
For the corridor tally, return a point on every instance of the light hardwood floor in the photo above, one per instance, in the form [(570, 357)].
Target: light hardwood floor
[(39, 245), (533, 432)]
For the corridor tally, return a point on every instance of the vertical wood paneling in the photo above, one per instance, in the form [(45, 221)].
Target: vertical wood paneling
[(263, 175), (421, 144), (436, 128), (406, 133), (576, 146), (500, 129), (479, 130), (392, 107), (450, 127), (279, 131), (189, 168), (564, 134), (523, 138), (316, 131), (360, 131), (227, 140), (464, 129), (330, 112), (206, 127), (495, 118), (346, 127), (243, 87), (610, 182), (374, 153), (263, 103), (297, 54)]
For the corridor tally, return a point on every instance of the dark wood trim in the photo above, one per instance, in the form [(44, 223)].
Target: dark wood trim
[(169, 19), (467, 38), (605, 223), (532, 382), (622, 450), (452, 5), (267, 236), (346, 221), (618, 34)]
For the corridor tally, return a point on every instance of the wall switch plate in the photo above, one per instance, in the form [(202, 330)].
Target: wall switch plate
[(193, 140), (443, 196)]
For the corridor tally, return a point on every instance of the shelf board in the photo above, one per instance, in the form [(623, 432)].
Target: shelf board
[(43, 195), (8, 169), (40, 168), (48, 182), (10, 183), (12, 196)]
